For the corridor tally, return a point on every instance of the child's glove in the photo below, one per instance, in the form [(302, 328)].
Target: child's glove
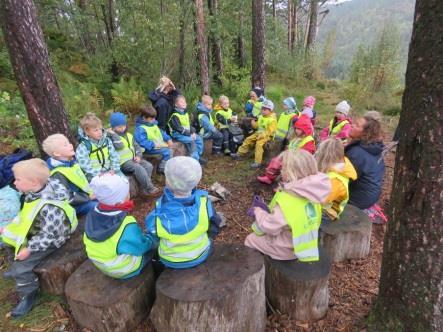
[(257, 202)]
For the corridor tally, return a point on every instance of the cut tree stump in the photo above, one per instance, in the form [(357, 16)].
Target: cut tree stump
[(272, 150), (349, 237), (134, 188), (154, 159), (100, 303), (226, 293), (207, 152), (299, 289), (54, 270)]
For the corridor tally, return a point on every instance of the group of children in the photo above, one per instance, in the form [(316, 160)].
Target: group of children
[(179, 230)]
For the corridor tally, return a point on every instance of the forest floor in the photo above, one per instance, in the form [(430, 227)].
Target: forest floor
[(353, 284)]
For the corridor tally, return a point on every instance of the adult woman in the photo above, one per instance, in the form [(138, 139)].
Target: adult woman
[(162, 99), (365, 153)]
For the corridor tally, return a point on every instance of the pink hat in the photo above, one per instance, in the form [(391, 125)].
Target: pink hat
[(309, 102)]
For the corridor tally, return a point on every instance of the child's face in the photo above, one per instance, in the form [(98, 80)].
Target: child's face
[(208, 104), (340, 116), (285, 107), (150, 120), (224, 104), (181, 103), (65, 150), (253, 95), (25, 185), (120, 129), (299, 132), (265, 111), (95, 133), (357, 128)]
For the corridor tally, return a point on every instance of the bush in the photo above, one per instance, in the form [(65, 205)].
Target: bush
[(128, 95)]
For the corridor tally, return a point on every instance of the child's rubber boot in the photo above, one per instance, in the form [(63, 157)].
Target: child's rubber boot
[(265, 179), (25, 305), (255, 165)]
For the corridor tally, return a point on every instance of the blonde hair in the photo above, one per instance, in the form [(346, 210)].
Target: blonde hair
[(298, 164), (223, 98), (90, 121), (163, 83), (51, 143), (207, 99), (330, 152), (32, 169)]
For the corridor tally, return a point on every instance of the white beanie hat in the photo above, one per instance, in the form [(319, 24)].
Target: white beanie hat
[(182, 175), (343, 107), (110, 189)]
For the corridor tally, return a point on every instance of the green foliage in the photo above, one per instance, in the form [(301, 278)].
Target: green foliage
[(127, 95)]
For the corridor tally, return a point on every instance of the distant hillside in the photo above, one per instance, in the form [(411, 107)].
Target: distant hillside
[(360, 21)]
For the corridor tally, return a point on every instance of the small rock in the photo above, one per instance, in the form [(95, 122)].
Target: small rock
[(220, 190), (223, 219)]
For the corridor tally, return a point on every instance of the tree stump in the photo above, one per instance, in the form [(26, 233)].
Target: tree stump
[(134, 188), (101, 303), (207, 152), (155, 160), (226, 293), (272, 149), (54, 270), (297, 288), (179, 149), (349, 237)]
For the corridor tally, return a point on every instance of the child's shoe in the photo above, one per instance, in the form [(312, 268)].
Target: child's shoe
[(236, 156), (255, 165), (25, 305), (264, 179), (151, 193), (203, 161)]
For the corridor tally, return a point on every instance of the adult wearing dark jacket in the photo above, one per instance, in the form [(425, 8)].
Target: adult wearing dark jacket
[(365, 153), (162, 99)]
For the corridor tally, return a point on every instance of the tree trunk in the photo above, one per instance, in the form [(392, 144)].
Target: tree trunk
[(241, 53), (202, 47), (289, 25), (294, 23), (215, 41), (258, 44), (35, 78), (312, 29), (181, 51), (411, 289)]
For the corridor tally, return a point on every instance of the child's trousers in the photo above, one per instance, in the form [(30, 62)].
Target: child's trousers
[(142, 172), (195, 148), (164, 152), (256, 140), (228, 142), (26, 281), (217, 139)]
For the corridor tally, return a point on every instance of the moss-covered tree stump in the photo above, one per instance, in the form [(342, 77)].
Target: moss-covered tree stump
[(226, 293), (54, 270), (100, 303), (349, 237), (297, 288)]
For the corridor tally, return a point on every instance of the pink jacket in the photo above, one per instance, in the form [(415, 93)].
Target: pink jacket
[(277, 240), (343, 134)]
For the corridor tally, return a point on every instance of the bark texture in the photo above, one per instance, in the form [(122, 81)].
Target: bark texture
[(215, 41), (411, 283), (30, 61), (101, 303), (55, 270), (299, 289), (349, 237), (312, 29), (202, 47), (258, 44), (226, 293)]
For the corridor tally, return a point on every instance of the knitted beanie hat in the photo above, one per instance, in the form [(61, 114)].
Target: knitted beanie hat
[(110, 189), (343, 107), (117, 119)]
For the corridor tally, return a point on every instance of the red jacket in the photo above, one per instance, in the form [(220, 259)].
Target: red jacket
[(305, 125)]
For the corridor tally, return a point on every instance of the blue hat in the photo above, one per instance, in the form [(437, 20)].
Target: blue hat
[(117, 119), (290, 102)]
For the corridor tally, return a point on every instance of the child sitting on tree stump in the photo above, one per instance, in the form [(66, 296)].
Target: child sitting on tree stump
[(183, 220), (289, 229), (206, 124), (340, 126)]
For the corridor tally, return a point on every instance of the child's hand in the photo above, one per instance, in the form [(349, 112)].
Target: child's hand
[(109, 130), (23, 254), (193, 136), (169, 144), (137, 159)]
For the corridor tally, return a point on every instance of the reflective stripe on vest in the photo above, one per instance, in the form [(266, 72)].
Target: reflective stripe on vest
[(15, 234), (304, 218), (335, 208), (185, 247), (183, 119), (296, 144), (75, 175), (283, 124), (128, 151), (153, 133), (337, 129), (99, 157), (226, 114), (104, 254), (200, 116)]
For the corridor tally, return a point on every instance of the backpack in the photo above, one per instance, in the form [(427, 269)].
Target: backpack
[(6, 163), (237, 134)]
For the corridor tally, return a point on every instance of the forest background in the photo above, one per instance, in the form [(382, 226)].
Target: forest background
[(109, 54)]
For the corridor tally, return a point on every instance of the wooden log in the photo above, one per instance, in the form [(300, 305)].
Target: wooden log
[(134, 188), (54, 270), (349, 237), (207, 152), (297, 288), (179, 149), (272, 149), (100, 303), (226, 293), (154, 159)]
